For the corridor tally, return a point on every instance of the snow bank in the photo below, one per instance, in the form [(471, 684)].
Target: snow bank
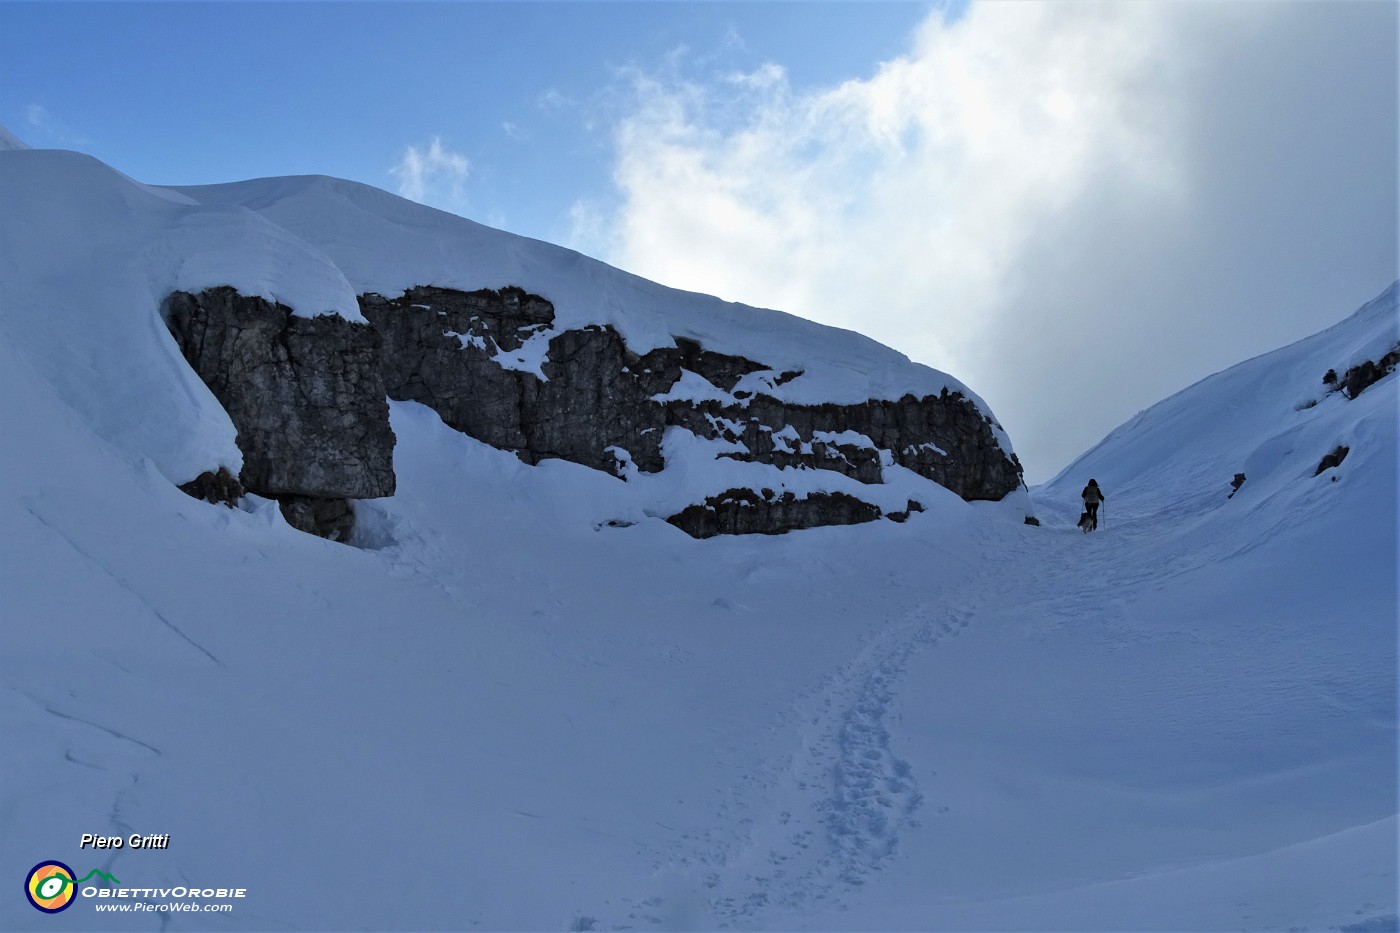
[(86, 256)]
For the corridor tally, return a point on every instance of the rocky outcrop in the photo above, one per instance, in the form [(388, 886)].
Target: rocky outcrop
[(306, 396), (1363, 375), (1235, 485), (903, 514), (745, 512), (219, 487), (1332, 460), (492, 365), (577, 395), (332, 518), (943, 438)]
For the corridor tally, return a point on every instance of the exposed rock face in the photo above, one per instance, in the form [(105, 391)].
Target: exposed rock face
[(308, 399), (744, 512), (942, 438), (1362, 376), (1334, 459), (476, 358), (460, 353), (329, 518), (217, 486), (306, 395)]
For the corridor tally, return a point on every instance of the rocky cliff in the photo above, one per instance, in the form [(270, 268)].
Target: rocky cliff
[(307, 398), (490, 364)]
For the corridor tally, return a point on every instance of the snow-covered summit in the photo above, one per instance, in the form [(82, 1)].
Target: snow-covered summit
[(9, 141), (386, 244), (89, 254)]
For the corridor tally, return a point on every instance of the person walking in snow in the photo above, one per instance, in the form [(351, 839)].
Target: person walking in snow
[(1092, 496)]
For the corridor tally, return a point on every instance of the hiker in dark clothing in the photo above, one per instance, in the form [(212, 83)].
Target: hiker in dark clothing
[(1092, 496)]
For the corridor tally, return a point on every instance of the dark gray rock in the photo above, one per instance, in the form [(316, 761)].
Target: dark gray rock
[(597, 396), (215, 486), (720, 369), (328, 518), (307, 398), (1334, 459), (1235, 485), (943, 438), (1363, 375), (305, 394), (439, 347), (744, 511), (445, 348), (903, 514), (778, 440)]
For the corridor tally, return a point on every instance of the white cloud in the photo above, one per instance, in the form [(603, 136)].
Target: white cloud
[(553, 99), (49, 129), (433, 175), (1038, 198)]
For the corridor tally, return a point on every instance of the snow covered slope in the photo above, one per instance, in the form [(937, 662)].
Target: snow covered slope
[(88, 249), (1272, 418), (386, 244), (506, 714), (1186, 720), (87, 254)]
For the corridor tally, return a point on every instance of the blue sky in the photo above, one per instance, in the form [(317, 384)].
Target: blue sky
[(1077, 208), (197, 93)]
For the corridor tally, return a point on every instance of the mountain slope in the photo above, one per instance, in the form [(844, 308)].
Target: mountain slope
[(502, 712), (1187, 719), (386, 244), (733, 398), (1272, 418)]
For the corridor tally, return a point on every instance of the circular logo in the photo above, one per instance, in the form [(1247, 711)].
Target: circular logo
[(50, 887)]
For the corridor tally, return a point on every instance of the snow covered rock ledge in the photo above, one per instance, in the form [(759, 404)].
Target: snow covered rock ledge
[(494, 365), (307, 398)]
